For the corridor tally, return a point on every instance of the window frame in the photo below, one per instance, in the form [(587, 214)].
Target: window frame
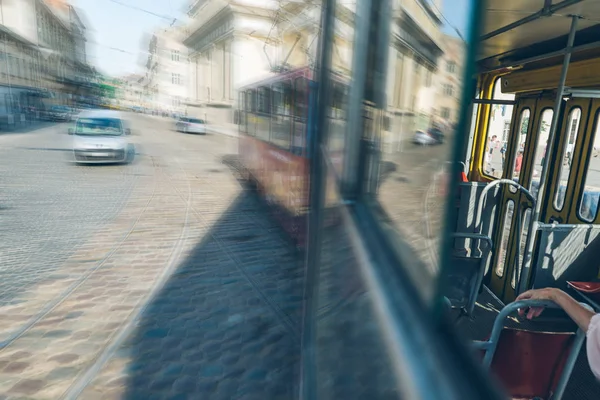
[(564, 153), (581, 194), (488, 120)]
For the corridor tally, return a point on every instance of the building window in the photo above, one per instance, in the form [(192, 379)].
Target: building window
[(451, 67), (445, 113), (448, 89), (175, 55), (505, 131), (176, 79), (428, 78)]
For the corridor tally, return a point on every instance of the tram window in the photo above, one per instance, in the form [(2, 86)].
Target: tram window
[(281, 111), (300, 105), (500, 116), (539, 152), (504, 236), (263, 120), (590, 198), (517, 158), (337, 118), (524, 226), (301, 98), (250, 109), (565, 167)]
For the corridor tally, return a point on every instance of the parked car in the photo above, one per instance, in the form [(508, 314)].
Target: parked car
[(190, 125), (59, 114), (101, 136)]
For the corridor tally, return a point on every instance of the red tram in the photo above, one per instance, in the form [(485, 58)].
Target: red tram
[(276, 122)]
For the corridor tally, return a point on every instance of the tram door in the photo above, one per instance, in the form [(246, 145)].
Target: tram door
[(516, 166), (529, 140)]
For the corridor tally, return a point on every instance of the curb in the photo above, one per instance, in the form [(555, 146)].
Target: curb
[(225, 132)]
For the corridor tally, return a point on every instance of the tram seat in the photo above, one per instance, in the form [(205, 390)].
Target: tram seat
[(464, 280), (566, 253), (590, 291), (530, 364), (469, 195)]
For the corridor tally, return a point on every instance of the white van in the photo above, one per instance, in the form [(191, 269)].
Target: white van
[(101, 136)]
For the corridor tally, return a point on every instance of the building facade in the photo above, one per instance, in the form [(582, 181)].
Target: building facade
[(229, 45), (167, 80), (42, 57), (232, 43), (449, 80)]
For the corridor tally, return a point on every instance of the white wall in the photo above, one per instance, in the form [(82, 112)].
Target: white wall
[(20, 16)]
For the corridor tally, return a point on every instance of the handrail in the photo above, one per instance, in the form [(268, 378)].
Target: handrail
[(484, 195)]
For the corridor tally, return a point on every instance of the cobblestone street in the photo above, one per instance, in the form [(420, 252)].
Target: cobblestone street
[(164, 278)]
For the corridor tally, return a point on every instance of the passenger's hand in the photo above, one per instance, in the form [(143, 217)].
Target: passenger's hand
[(536, 294)]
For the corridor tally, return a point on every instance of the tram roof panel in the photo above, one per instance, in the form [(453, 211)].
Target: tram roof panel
[(515, 30)]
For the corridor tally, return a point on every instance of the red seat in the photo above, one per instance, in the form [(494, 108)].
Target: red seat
[(591, 290), (530, 364)]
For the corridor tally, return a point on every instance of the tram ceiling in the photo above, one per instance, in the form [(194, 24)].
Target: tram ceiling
[(516, 31)]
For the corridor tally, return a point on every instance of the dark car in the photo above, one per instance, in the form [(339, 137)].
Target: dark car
[(59, 114), (437, 134)]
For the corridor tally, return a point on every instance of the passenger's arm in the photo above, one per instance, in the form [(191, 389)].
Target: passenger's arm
[(581, 315)]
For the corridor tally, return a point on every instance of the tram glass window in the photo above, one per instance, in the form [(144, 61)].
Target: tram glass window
[(251, 112), (337, 124), (408, 145), (517, 158), (565, 167), (505, 234), (500, 116), (590, 198), (281, 114), (526, 215), (539, 151), (350, 338), (300, 105), (263, 113)]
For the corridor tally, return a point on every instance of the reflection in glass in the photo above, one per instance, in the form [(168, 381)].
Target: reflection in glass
[(409, 143), (567, 159), (588, 204), (353, 358)]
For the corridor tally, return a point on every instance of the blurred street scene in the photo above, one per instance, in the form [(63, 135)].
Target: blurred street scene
[(154, 183)]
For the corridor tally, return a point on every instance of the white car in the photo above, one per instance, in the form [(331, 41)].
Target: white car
[(101, 137), (424, 139), (190, 125)]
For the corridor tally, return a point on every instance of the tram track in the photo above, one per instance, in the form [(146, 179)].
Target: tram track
[(123, 331), (67, 293)]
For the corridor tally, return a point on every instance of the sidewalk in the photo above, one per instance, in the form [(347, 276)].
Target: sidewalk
[(29, 126), (230, 130)]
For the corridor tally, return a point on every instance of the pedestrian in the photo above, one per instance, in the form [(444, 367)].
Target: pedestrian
[(519, 163), (503, 154), (490, 152)]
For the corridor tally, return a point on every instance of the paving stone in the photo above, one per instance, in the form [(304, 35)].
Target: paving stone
[(209, 322)]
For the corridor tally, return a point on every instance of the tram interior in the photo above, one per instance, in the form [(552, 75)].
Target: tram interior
[(528, 216)]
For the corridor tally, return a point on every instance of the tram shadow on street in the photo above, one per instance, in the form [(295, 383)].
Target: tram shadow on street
[(227, 323)]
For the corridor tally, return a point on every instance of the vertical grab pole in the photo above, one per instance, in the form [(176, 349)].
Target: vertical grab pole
[(308, 380), (533, 225)]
